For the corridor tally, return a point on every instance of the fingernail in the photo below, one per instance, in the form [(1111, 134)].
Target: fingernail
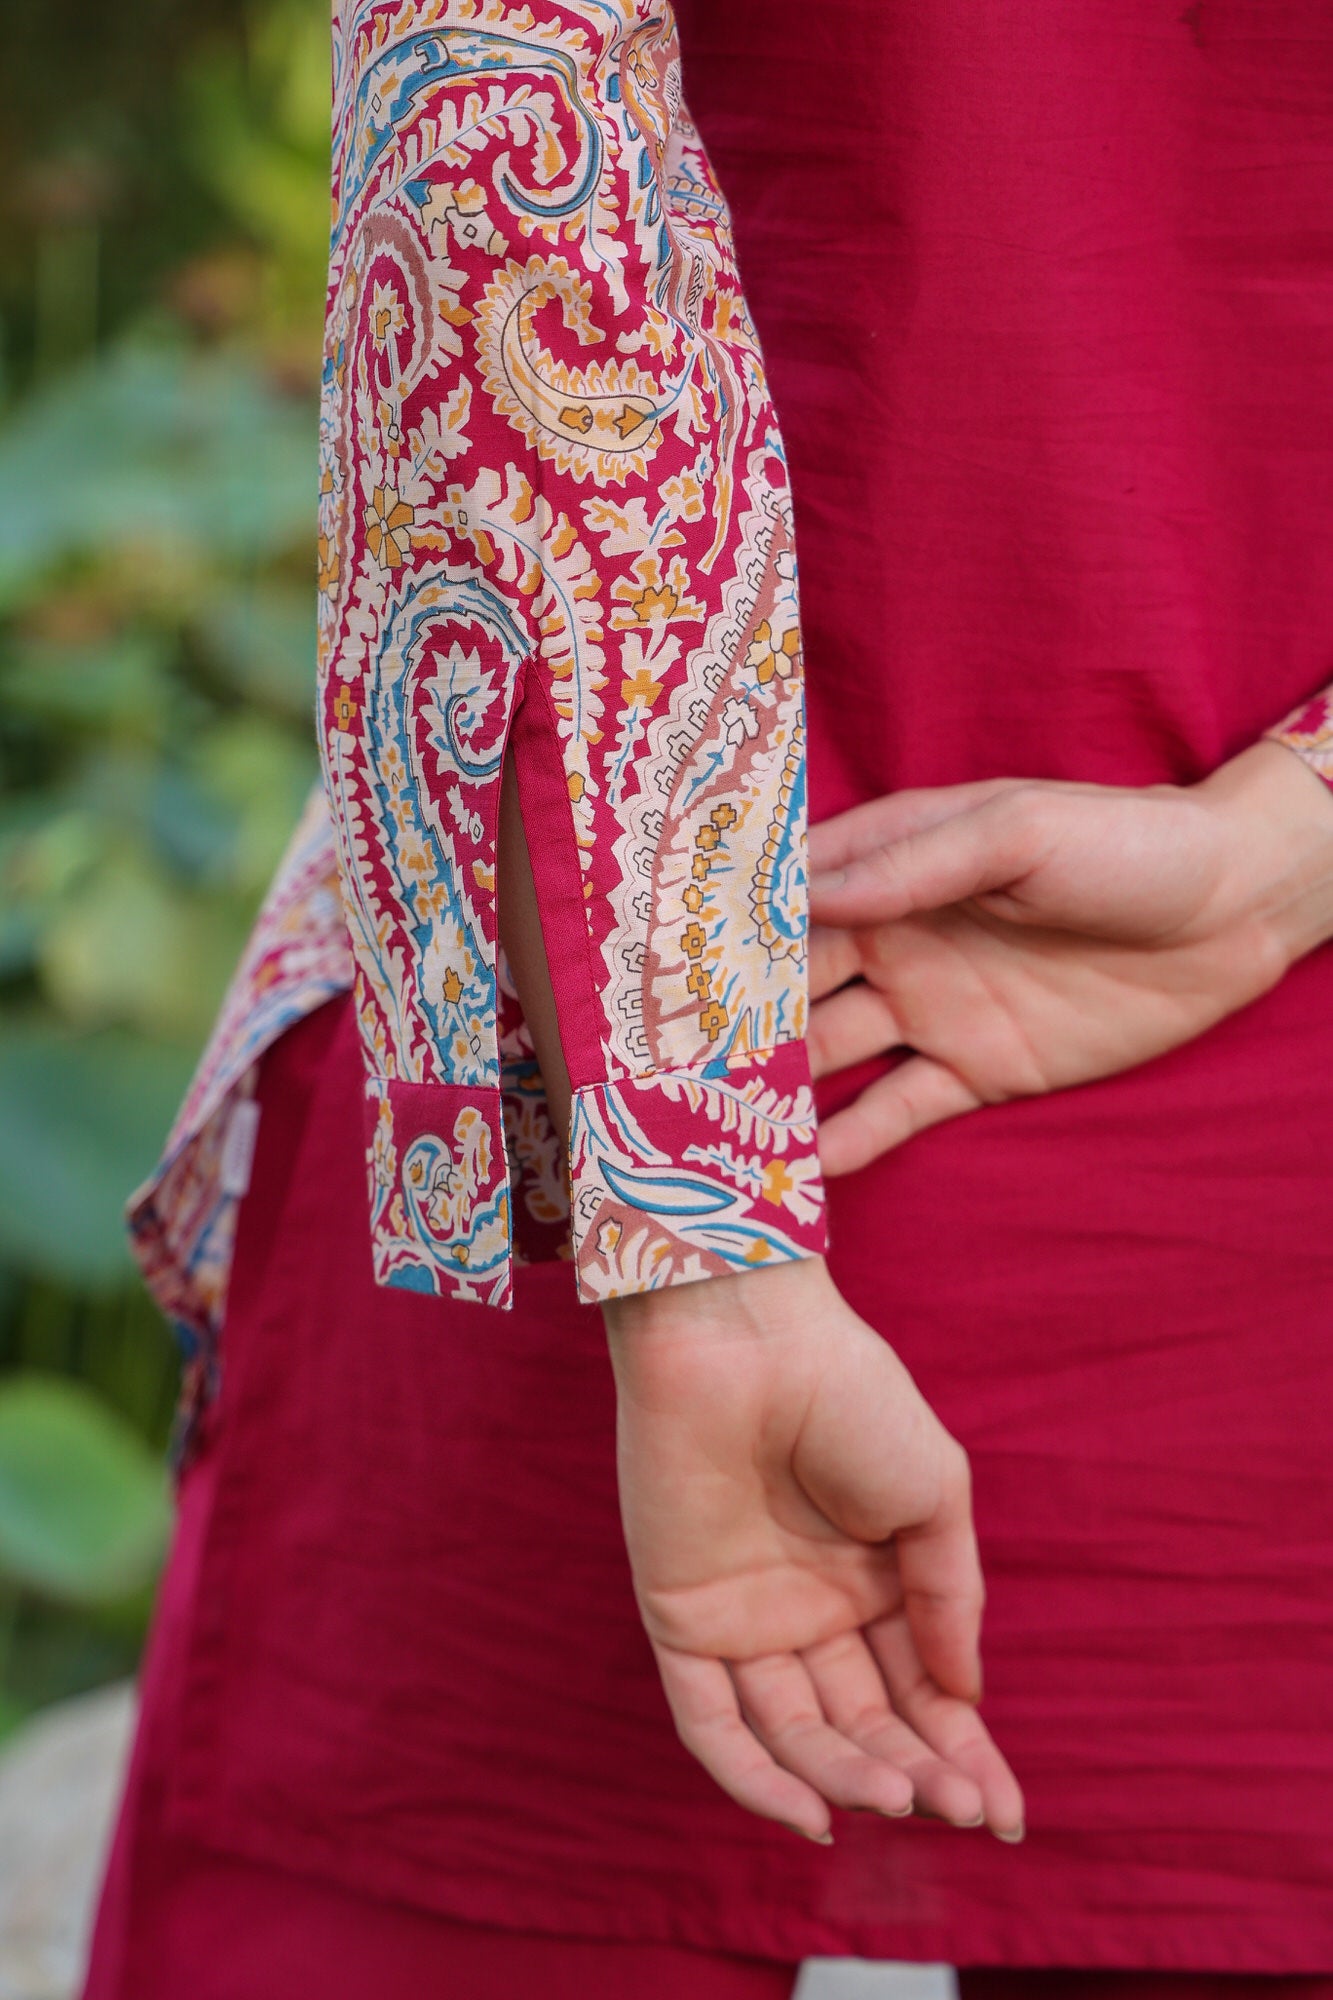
[(1014, 1835), (820, 1839), (966, 1824)]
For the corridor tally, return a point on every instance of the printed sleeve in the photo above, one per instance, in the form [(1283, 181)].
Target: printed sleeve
[(556, 526), (1308, 730)]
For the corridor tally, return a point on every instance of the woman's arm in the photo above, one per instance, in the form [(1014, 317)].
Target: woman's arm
[(798, 1521), (556, 541), (1021, 937), (555, 528)]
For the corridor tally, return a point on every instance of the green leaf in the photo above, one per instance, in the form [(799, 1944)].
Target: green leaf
[(125, 946), (264, 637), (151, 453), (121, 685), (84, 1512), (82, 1121)]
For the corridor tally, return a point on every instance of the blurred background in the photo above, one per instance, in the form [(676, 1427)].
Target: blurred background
[(163, 229)]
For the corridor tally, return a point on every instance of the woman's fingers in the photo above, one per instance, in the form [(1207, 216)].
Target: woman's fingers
[(973, 853), (939, 1571), (852, 1693), (952, 1728), (848, 1027), (706, 1711), (789, 1736), (894, 1108), (835, 957), (784, 1711), (836, 842), (930, 1652)]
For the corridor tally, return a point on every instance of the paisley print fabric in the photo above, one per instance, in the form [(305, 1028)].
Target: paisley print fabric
[(1308, 730), (653, 1208), (555, 524), (183, 1220)]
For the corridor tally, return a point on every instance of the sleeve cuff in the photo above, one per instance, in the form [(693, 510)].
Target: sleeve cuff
[(439, 1190), (693, 1173), (1308, 730), (675, 1177)]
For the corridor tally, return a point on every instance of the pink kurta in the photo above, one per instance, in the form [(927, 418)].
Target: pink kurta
[(1046, 293)]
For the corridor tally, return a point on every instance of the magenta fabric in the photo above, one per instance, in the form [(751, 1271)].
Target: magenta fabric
[(181, 1921), (404, 1658), (182, 1916), (1047, 295)]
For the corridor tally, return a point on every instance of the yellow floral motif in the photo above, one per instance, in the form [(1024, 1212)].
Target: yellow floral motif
[(713, 1015), (386, 518), (344, 707), (714, 1019), (641, 687), (654, 595), (658, 334), (453, 987), (386, 316), (683, 497), (659, 600), (769, 656)]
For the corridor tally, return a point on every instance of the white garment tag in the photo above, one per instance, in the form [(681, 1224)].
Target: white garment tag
[(238, 1147)]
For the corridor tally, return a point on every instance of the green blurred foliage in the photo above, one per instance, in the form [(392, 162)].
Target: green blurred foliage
[(83, 1507), (162, 247)]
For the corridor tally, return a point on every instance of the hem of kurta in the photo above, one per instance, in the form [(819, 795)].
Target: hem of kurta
[(1217, 1940)]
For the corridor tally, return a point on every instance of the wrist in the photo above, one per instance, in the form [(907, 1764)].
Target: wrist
[(744, 1308), (1279, 813)]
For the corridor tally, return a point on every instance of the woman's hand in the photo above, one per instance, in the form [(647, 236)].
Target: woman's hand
[(1022, 937), (799, 1528), (799, 1522)]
